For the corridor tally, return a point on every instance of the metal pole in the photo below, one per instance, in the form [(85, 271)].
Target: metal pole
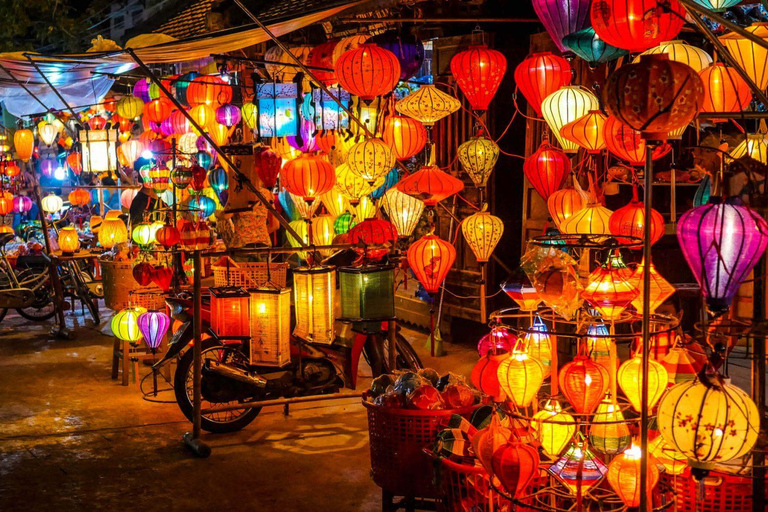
[(691, 5), (758, 384), (392, 336), (350, 19), (55, 91)]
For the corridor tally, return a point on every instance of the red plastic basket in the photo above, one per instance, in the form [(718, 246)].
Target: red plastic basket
[(722, 492), (466, 488), (397, 438)]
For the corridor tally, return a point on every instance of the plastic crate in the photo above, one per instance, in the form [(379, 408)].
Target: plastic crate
[(250, 275), (722, 492)]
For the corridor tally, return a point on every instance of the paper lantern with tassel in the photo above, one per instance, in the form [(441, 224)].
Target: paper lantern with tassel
[(547, 169), (554, 428), (430, 184), (431, 258), (404, 211), (478, 71), (583, 383), (406, 136), (564, 203), (308, 176), (478, 157), (680, 51), (750, 56), (636, 25), (579, 469), (371, 159), (660, 289), (630, 378), (521, 377), (562, 17), (564, 106), (624, 476), (588, 132), (482, 231), (629, 220), (368, 71), (515, 464), (428, 105), (627, 144), (24, 143), (608, 434), (541, 74)]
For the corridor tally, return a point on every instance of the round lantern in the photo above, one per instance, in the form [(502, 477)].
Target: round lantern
[(195, 236), (228, 115), (352, 186), (750, 56), (157, 111), (112, 232), (478, 72), (219, 180), (636, 25), (408, 50), (403, 210), (203, 115), (335, 202), (406, 136), (564, 106), (609, 434), (11, 169), (21, 204), (630, 378), (724, 89), (665, 95), (143, 234), (430, 258), (202, 205), (593, 219), (182, 84), (79, 197), (24, 143), (610, 289), (722, 243), (132, 150), (482, 232), (547, 169), (499, 341), (680, 51), (753, 146), (126, 197), (521, 377), (541, 74), (587, 132), (564, 203), (514, 465), (153, 326), (583, 383), (368, 71), (48, 133), (660, 290), (627, 143), (308, 176), (562, 17), (321, 56), (323, 233), (125, 324), (371, 159), (365, 209), (586, 44), (554, 428), (168, 236), (69, 240), (430, 184), (52, 203), (211, 90), (373, 232), (629, 220), (6, 203), (478, 156), (428, 105), (624, 476)]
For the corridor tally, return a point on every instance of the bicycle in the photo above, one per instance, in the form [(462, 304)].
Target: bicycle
[(28, 290)]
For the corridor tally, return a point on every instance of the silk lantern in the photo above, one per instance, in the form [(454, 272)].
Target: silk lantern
[(587, 45), (335, 202), (593, 219), (406, 136), (564, 106), (627, 143), (130, 107), (228, 115), (211, 90), (24, 143), (583, 383), (195, 236), (430, 184), (750, 56), (352, 186), (430, 258), (609, 289), (21, 204), (724, 89), (308, 176), (629, 220), (624, 476), (753, 146), (267, 164), (521, 377), (482, 232), (79, 197), (538, 344), (11, 169), (403, 210), (666, 95), (562, 17), (368, 71), (69, 240), (371, 159), (142, 273), (50, 203), (229, 312), (554, 428), (157, 111), (588, 132), (478, 72), (636, 25), (428, 105), (630, 378), (373, 232), (680, 51), (478, 157), (514, 465), (722, 243), (390, 180), (600, 345), (546, 169), (125, 326), (321, 56), (408, 50), (541, 74), (488, 440), (48, 133), (142, 234), (499, 341), (168, 236), (563, 204), (314, 296), (609, 434), (660, 289), (270, 326), (717, 5), (301, 229), (578, 468), (153, 326)]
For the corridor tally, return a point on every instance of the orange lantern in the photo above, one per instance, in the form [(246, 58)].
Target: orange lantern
[(660, 289), (629, 220), (547, 169), (431, 258), (485, 375), (368, 71), (79, 197), (514, 465), (610, 290), (724, 89), (584, 383), (406, 136), (75, 162), (157, 111), (593, 219), (588, 131), (168, 236), (6, 203), (24, 142), (112, 232), (69, 240), (229, 312), (195, 236), (211, 90), (624, 476), (308, 176), (540, 75), (627, 144), (11, 169), (564, 203), (430, 184), (488, 440), (478, 72)]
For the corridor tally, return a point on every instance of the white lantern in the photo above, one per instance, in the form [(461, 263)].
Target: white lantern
[(314, 299), (99, 150)]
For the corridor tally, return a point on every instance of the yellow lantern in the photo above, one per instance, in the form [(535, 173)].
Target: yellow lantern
[(52, 203), (674, 462), (305, 209), (482, 231), (365, 209), (113, 214), (538, 344), (203, 115), (478, 156), (335, 202), (314, 294), (680, 51), (564, 203), (112, 232), (130, 107), (300, 227), (554, 428), (564, 106), (69, 240), (353, 186), (521, 378), (709, 421), (270, 326), (660, 289), (624, 476), (143, 234), (754, 146), (608, 434), (593, 219), (371, 159), (48, 133), (750, 56), (220, 133), (323, 233), (24, 142), (250, 113), (428, 105), (125, 325), (404, 211)]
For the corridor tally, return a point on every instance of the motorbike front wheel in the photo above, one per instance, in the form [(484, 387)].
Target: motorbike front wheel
[(217, 422)]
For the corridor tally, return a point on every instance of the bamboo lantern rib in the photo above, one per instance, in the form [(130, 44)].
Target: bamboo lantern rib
[(752, 57), (754, 146), (403, 210), (406, 136), (482, 231), (478, 157), (587, 131), (371, 159), (428, 105), (593, 219), (563, 204), (565, 106), (430, 184), (540, 75), (724, 89)]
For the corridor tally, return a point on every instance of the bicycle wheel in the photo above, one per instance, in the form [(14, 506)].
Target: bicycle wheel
[(5, 283), (43, 307)]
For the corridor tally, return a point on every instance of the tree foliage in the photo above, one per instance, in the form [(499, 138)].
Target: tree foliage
[(46, 25)]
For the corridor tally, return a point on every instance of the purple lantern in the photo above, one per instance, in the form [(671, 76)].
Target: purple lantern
[(22, 204), (408, 50), (48, 167), (166, 128), (141, 90), (228, 115), (562, 17), (721, 242), (153, 325), (499, 341), (305, 142)]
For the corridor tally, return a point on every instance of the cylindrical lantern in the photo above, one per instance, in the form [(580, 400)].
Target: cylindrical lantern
[(609, 434), (680, 51), (587, 132), (583, 383), (431, 258), (308, 176), (270, 326), (69, 240), (478, 156), (541, 74), (521, 377), (547, 169), (314, 292), (750, 56), (229, 312), (564, 106), (153, 326), (367, 293), (624, 476), (428, 105), (564, 203), (24, 143), (430, 184), (610, 289), (405, 135), (482, 231), (371, 159), (630, 378), (404, 211), (554, 428), (368, 71), (478, 72), (636, 25)]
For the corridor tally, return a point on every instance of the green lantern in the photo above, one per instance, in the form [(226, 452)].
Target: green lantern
[(367, 293)]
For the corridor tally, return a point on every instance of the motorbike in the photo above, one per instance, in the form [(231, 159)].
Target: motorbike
[(228, 378)]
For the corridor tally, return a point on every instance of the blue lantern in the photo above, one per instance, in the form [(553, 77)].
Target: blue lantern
[(278, 109), (288, 206), (204, 160), (587, 45), (389, 181), (204, 204)]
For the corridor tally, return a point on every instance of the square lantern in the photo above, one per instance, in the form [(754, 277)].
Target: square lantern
[(314, 297), (278, 109), (367, 293), (270, 319), (99, 150), (328, 115), (229, 312)]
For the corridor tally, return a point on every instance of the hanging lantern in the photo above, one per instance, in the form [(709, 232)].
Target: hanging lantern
[(578, 468), (228, 115), (430, 184), (488, 440), (563, 204), (627, 144), (168, 236), (404, 211), (666, 95), (499, 341), (722, 243), (431, 258), (428, 105), (373, 232), (99, 151), (130, 107), (546, 169), (593, 219), (610, 290), (321, 56), (406, 136), (301, 229), (335, 202), (209, 90), (305, 209), (630, 378), (24, 143), (673, 461), (724, 89), (160, 177), (629, 220), (564, 106), (69, 240), (314, 296), (219, 180), (346, 44), (323, 233), (514, 465), (157, 111), (717, 5), (390, 180), (143, 234), (200, 205), (540, 75), (21, 204), (125, 326), (624, 476), (367, 293), (554, 428), (561, 18), (587, 45), (538, 345), (132, 150), (408, 50), (153, 325), (681, 366), (521, 377), (368, 71), (203, 115), (479, 71), (11, 169), (478, 156), (195, 236), (520, 289), (600, 345), (48, 133), (636, 25), (750, 56), (482, 232), (753, 146), (584, 384), (50, 203), (352, 186), (229, 312), (371, 159), (680, 51), (267, 164), (609, 434), (79, 197), (660, 289), (162, 277), (308, 176), (587, 132)]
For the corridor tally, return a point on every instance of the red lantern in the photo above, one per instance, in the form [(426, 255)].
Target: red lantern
[(547, 169), (326, 140), (308, 176), (368, 71), (627, 144), (515, 464), (584, 384), (629, 220), (488, 440), (199, 175), (211, 90), (168, 236), (636, 25), (373, 232), (540, 75), (6, 203), (431, 258), (478, 72), (321, 56), (11, 169), (430, 184), (157, 111), (655, 96), (179, 122), (724, 89), (485, 375), (162, 277), (405, 135), (267, 164), (195, 236), (97, 123), (229, 312), (142, 273)]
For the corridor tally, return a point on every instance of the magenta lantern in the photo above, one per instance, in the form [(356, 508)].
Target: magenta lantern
[(22, 204), (228, 115), (153, 325), (499, 341), (721, 242), (562, 17)]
